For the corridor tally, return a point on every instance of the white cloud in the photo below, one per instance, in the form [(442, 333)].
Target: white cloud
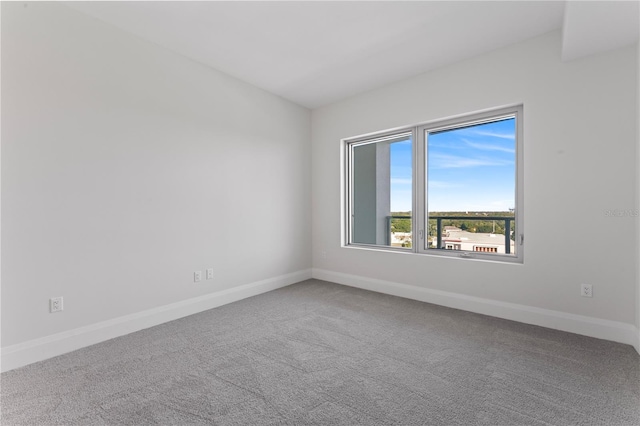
[(477, 131), (488, 147), (438, 184), (509, 136), (401, 181), (443, 161)]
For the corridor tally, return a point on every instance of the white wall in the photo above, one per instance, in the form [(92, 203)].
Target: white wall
[(579, 148), (637, 344), (126, 167)]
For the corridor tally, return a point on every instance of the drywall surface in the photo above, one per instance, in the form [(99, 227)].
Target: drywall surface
[(637, 345), (126, 167), (579, 166)]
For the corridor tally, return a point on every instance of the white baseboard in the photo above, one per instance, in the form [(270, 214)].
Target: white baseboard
[(579, 324), (25, 353)]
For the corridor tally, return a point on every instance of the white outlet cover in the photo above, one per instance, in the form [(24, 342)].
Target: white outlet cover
[(56, 304), (197, 276), (210, 273)]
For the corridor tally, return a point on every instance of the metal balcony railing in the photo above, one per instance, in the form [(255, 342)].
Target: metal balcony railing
[(506, 219)]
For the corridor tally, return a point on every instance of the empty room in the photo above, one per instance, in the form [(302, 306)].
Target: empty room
[(320, 213)]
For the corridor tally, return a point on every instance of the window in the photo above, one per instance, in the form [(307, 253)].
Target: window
[(381, 190), (449, 188)]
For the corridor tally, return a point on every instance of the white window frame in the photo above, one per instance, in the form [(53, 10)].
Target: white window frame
[(420, 179), (349, 145)]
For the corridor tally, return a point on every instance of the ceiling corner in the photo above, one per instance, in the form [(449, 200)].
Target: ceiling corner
[(592, 27)]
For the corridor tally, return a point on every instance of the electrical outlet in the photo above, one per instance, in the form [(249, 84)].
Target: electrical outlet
[(197, 276), (210, 273), (323, 254), (586, 290), (55, 304)]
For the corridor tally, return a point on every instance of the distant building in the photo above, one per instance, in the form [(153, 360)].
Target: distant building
[(457, 239), (401, 239), (454, 238)]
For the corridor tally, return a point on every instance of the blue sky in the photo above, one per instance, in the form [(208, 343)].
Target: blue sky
[(469, 169)]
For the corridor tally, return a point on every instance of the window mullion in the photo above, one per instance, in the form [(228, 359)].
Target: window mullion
[(420, 231)]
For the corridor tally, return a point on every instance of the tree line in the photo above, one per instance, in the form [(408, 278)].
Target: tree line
[(477, 225)]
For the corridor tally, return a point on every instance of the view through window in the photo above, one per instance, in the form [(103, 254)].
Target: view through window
[(381, 183), (462, 196), (471, 187)]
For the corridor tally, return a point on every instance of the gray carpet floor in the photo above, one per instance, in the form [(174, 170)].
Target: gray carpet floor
[(317, 353)]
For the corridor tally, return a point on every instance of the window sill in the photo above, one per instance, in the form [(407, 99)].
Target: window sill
[(444, 254)]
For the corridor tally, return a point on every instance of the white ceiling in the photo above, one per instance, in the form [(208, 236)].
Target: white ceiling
[(596, 26), (315, 53)]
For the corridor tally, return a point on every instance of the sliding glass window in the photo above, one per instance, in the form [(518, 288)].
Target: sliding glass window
[(450, 187), (381, 190)]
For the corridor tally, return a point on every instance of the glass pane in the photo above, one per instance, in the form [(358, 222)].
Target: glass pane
[(381, 185), (471, 187)]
